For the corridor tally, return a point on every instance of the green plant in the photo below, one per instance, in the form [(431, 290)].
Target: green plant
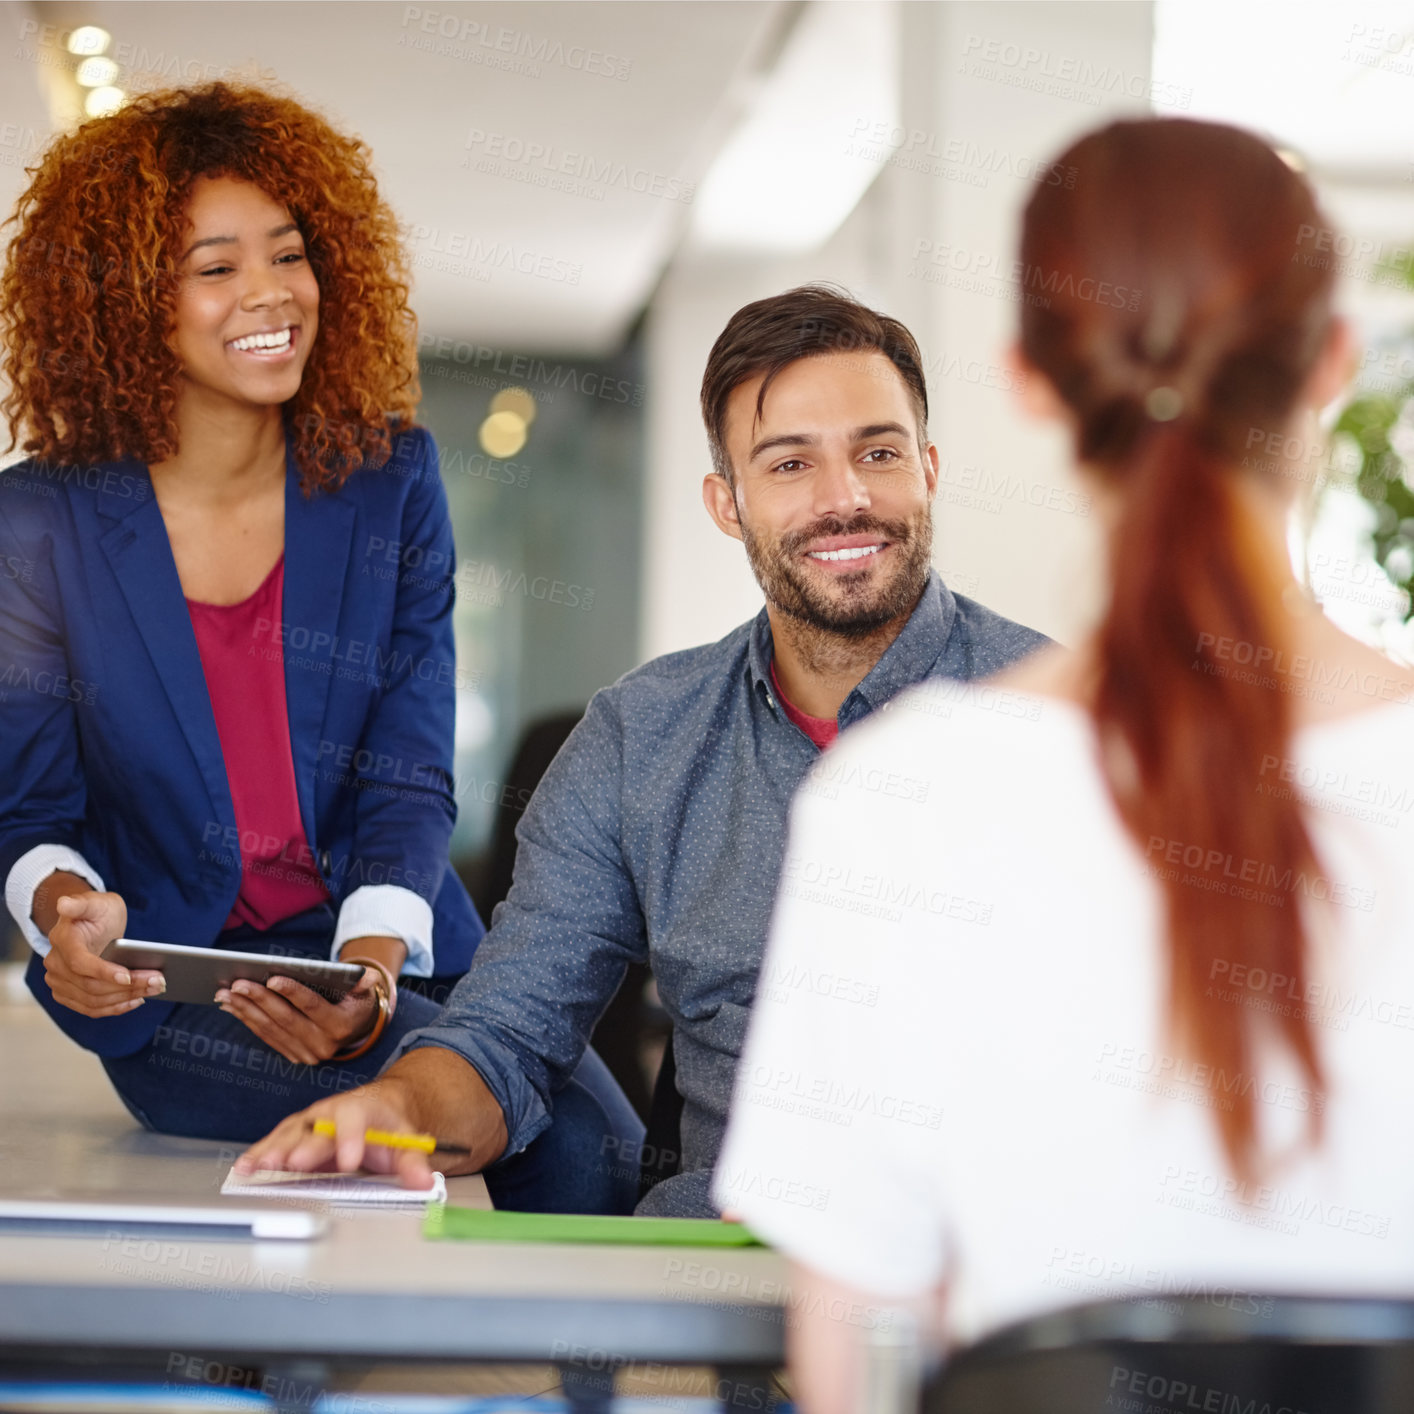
[(1371, 423)]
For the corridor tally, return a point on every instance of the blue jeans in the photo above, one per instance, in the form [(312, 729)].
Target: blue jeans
[(206, 1075)]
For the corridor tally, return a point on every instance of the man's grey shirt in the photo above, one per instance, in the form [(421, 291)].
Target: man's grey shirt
[(657, 836)]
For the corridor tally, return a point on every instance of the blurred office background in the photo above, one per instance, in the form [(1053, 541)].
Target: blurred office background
[(589, 190)]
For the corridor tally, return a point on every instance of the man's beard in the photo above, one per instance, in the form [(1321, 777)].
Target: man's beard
[(857, 608)]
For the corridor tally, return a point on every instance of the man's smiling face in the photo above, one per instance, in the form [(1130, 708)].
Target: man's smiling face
[(833, 493)]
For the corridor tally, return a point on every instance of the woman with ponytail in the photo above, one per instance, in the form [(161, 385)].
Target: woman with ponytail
[(1130, 993)]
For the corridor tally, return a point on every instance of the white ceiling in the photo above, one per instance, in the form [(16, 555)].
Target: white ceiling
[(500, 261)]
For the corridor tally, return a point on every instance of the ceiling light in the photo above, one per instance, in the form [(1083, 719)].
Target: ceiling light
[(103, 101), (808, 149), (89, 39), (97, 72), (503, 434)]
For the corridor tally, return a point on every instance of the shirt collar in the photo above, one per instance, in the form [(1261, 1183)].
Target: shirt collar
[(907, 660), (761, 651)]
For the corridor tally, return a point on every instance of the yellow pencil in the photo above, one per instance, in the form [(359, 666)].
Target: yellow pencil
[(425, 1143)]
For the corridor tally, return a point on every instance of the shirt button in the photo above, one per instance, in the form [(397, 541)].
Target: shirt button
[(770, 702), (326, 861)]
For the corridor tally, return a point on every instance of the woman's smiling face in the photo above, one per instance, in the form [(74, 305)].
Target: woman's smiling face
[(248, 306)]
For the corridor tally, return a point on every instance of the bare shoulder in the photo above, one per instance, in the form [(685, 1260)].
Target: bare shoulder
[(1327, 674), (1335, 676), (1052, 671)]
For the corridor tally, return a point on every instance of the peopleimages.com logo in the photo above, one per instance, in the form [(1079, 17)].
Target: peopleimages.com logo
[(587, 174), (503, 47)]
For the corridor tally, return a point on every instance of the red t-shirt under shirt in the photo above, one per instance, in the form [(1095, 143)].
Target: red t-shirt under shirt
[(247, 691), (821, 730)]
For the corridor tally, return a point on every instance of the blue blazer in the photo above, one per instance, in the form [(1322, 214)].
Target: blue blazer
[(107, 739)]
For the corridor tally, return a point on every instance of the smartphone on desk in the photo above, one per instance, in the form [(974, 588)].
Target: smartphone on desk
[(196, 974)]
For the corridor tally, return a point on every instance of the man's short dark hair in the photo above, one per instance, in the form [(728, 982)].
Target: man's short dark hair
[(768, 335)]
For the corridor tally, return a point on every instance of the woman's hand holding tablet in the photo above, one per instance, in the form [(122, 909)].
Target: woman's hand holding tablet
[(308, 1009), (81, 924), (296, 1021), (310, 1028)]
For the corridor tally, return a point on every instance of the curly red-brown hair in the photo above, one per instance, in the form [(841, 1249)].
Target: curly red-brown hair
[(89, 291)]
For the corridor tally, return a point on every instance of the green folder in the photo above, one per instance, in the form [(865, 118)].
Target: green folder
[(481, 1225)]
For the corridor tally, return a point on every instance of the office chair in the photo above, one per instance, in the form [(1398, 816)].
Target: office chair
[(536, 748), (662, 1141), (1189, 1355)]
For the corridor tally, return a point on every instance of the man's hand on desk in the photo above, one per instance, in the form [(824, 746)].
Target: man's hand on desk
[(428, 1091), (80, 923)]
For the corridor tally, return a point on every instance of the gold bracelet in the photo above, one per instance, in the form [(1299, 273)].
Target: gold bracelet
[(380, 1025), (381, 966)]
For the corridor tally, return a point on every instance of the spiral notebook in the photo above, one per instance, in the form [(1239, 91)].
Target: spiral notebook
[(368, 1190)]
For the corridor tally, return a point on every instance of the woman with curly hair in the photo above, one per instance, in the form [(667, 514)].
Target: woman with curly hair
[(227, 669)]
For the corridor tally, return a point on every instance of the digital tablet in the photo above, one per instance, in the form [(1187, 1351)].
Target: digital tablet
[(195, 974)]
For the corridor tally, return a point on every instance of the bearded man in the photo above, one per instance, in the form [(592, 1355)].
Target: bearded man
[(657, 833)]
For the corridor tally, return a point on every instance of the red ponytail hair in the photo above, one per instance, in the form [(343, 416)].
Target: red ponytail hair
[(1202, 226)]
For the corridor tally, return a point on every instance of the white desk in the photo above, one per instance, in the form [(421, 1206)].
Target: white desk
[(372, 1290)]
